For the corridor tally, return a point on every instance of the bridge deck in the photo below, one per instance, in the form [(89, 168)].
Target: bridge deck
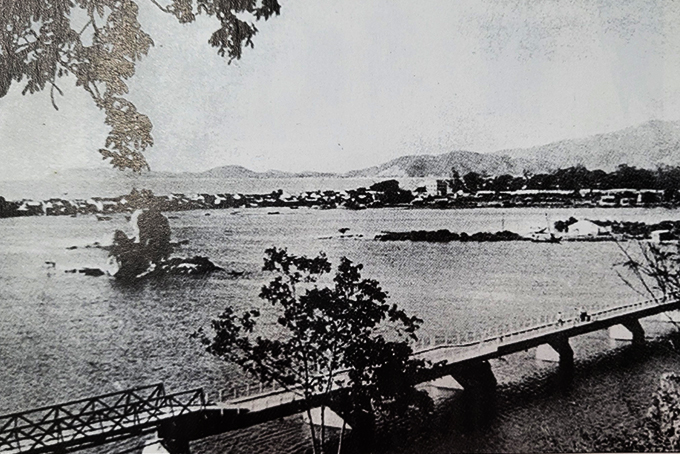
[(533, 336), (452, 353)]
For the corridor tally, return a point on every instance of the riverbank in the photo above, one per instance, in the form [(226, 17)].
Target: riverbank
[(384, 194)]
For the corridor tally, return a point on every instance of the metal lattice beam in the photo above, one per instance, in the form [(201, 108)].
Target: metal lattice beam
[(84, 422)]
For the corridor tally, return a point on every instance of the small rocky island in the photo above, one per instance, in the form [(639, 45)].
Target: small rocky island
[(147, 253), (445, 236)]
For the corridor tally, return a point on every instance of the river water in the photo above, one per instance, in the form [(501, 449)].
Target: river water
[(65, 336)]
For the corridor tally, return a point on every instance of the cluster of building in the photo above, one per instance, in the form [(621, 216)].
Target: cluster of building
[(383, 194), (352, 199), (438, 193)]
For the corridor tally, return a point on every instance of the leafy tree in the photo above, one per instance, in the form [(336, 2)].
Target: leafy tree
[(563, 226), (541, 181), (473, 181), (391, 193), (455, 182), (329, 336), (502, 183), (654, 271), (659, 431), (42, 42), (668, 178), (663, 417), (598, 179), (516, 184), (574, 178), (631, 177)]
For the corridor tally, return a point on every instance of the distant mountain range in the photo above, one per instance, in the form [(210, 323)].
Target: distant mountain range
[(648, 145), (441, 165), (241, 172), (223, 172)]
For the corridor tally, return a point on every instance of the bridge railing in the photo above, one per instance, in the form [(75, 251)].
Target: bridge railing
[(632, 307), (472, 341), (47, 428), (530, 327), (243, 391), (267, 396)]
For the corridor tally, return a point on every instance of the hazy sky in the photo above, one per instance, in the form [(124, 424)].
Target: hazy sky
[(344, 84)]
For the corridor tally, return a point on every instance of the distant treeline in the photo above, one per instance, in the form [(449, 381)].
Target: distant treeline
[(572, 178)]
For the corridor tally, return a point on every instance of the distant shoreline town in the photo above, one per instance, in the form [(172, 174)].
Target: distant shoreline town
[(571, 187)]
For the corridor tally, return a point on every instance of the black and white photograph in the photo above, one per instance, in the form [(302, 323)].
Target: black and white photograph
[(337, 227)]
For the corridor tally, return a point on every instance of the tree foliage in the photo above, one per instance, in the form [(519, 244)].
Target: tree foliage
[(40, 43), (474, 181), (653, 270), (658, 431), (578, 177), (341, 340), (663, 417)]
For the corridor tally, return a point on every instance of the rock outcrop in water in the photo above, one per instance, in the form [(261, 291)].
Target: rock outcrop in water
[(148, 252), (179, 266), (96, 272), (445, 236)]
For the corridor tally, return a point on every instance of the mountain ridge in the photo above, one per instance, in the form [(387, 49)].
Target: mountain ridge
[(440, 165), (647, 145)]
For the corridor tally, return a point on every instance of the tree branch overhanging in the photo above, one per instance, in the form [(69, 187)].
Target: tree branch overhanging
[(39, 56)]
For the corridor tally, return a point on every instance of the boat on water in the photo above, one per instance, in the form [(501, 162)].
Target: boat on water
[(544, 236)]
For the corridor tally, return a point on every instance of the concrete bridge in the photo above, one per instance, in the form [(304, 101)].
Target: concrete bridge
[(180, 418)]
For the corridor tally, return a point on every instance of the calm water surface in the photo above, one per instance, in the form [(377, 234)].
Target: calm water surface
[(65, 336)]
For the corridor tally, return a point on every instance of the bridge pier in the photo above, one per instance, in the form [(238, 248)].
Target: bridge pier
[(359, 418), (557, 350), (566, 363), (176, 445), (155, 447), (479, 392), (630, 330), (475, 376)]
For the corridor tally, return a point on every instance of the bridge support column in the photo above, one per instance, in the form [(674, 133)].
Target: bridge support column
[(479, 393), (630, 330), (176, 445), (477, 376), (360, 418), (557, 350), (561, 346)]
